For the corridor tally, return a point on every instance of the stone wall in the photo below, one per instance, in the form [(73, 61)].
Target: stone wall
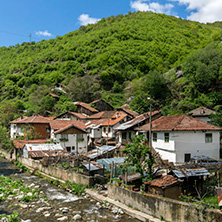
[(53, 171), (163, 208), (58, 172)]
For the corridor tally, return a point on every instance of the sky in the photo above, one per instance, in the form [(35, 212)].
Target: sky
[(25, 20)]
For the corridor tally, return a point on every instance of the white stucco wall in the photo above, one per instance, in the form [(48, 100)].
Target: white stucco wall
[(194, 143), (187, 142), (13, 129), (110, 134), (81, 146), (96, 133), (165, 149)]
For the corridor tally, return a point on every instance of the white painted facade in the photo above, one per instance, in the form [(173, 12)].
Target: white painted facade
[(186, 142), (15, 131), (76, 143), (107, 132), (95, 133)]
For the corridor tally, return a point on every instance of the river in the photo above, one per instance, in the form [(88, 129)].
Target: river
[(58, 204)]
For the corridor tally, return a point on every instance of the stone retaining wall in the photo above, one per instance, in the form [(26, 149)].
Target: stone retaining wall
[(163, 208), (57, 172)]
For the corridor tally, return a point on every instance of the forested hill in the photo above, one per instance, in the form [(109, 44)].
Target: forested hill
[(119, 58)]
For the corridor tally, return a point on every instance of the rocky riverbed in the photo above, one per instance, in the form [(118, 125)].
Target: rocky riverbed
[(36, 199)]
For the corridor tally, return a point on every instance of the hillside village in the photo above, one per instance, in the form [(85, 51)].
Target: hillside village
[(185, 146), (126, 111)]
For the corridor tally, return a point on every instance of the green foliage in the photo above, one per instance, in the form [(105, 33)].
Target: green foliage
[(14, 217), (108, 58), (5, 141), (139, 156)]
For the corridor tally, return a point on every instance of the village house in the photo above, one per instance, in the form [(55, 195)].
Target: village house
[(36, 126), (71, 134), (127, 129), (166, 186), (102, 124), (101, 105), (72, 116), (178, 138), (85, 108), (202, 113), (129, 112), (73, 138)]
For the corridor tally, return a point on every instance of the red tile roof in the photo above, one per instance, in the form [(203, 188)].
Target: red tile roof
[(163, 181), (18, 119), (59, 124), (32, 119), (78, 115), (178, 123), (201, 111), (128, 111), (94, 123), (114, 119), (105, 114), (86, 106)]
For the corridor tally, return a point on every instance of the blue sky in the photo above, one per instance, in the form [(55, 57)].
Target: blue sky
[(46, 19)]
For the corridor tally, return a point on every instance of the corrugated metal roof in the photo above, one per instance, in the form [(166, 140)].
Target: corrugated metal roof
[(191, 172), (100, 151), (92, 167), (43, 147)]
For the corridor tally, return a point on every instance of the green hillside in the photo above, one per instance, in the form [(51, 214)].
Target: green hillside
[(121, 59)]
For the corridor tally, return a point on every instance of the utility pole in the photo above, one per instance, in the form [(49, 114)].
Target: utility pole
[(150, 127), (30, 37)]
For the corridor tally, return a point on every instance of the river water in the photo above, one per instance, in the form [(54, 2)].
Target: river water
[(59, 205)]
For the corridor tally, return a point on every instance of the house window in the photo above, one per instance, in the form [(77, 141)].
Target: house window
[(108, 129), (104, 129), (64, 138), (124, 135), (155, 137), (208, 138), (187, 157), (166, 137), (80, 136)]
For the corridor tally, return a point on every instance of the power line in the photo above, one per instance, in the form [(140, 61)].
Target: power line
[(12, 33)]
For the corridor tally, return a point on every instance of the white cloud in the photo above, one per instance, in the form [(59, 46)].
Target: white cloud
[(43, 33), (84, 19), (143, 5), (203, 10)]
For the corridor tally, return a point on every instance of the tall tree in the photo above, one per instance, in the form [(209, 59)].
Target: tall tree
[(139, 155)]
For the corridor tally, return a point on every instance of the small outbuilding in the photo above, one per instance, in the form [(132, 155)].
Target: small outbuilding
[(166, 186)]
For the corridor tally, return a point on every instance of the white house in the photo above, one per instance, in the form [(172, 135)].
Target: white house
[(108, 126), (73, 138), (178, 138)]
